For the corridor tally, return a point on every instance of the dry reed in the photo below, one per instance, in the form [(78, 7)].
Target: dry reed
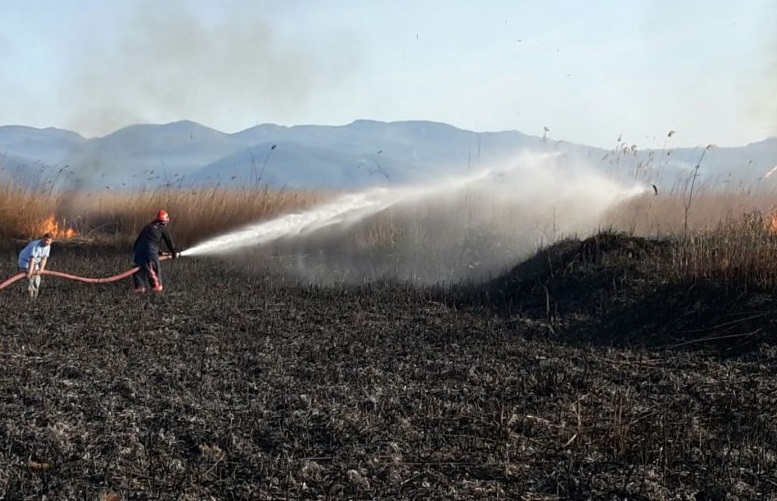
[(196, 214), (726, 235)]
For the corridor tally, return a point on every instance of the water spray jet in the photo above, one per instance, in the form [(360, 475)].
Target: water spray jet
[(570, 194)]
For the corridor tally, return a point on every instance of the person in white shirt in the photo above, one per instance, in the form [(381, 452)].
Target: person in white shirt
[(32, 261)]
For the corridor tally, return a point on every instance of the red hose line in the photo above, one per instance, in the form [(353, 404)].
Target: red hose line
[(88, 280)]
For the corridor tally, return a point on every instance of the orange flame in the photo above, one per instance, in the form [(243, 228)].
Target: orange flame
[(50, 225), (772, 223)]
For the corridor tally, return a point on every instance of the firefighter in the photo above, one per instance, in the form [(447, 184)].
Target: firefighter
[(145, 253)]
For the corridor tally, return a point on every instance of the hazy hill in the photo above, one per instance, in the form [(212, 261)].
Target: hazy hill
[(361, 154), (48, 146)]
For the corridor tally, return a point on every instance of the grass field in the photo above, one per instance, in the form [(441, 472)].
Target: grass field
[(609, 367)]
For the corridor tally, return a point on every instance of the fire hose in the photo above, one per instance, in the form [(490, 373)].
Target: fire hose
[(88, 280)]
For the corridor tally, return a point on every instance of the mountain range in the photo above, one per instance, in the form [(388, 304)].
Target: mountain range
[(362, 154)]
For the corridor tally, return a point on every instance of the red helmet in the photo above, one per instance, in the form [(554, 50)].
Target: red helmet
[(162, 216)]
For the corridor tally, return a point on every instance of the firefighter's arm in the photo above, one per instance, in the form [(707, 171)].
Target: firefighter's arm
[(170, 244), (42, 265)]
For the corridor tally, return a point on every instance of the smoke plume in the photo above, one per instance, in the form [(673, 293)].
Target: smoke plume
[(169, 65)]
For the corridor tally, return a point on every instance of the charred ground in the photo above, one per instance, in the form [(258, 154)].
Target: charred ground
[(581, 373)]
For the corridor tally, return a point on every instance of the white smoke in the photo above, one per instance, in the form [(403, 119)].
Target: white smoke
[(167, 64)]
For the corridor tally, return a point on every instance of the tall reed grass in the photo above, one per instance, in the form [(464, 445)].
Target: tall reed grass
[(727, 236), (117, 217)]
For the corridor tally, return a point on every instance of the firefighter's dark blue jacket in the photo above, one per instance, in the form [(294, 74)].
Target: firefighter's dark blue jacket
[(151, 237)]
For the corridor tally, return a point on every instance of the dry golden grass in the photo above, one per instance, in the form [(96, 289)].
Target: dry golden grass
[(722, 236), (21, 210), (665, 215), (718, 234), (195, 214)]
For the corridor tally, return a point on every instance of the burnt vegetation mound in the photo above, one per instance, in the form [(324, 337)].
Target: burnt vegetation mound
[(240, 383), (621, 290)]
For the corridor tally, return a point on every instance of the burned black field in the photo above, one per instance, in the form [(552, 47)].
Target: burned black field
[(578, 374)]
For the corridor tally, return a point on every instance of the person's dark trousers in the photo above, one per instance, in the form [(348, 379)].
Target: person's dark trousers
[(148, 271)]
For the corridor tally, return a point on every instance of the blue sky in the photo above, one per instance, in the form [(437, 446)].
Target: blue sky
[(590, 72)]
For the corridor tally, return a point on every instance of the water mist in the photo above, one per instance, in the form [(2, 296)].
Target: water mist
[(464, 227)]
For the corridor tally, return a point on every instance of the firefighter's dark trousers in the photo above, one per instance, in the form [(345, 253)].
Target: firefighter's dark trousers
[(149, 271)]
